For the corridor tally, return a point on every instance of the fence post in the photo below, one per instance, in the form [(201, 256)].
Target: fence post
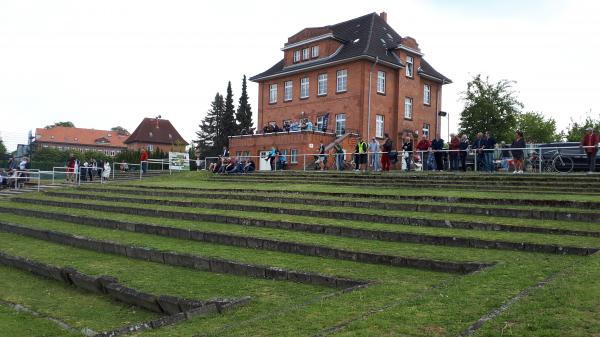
[(141, 171), (113, 171), (475, 164), (540, 158), (53, 176), (304, 161), (39, 180)]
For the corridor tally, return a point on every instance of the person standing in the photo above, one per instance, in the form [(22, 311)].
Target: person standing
[(339, 157), (385, 156), (407, 148), (454, 148), (322, 157), (589, 142), (437, 146), (490, 146), (517, 147), (479, 145), (424, 146), (464, 149), (361, 150), (144, 160), (374, 155)]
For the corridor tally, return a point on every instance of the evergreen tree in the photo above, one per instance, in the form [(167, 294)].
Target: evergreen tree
[(490, 107), (244, 111), (209, 141), (227, 125)]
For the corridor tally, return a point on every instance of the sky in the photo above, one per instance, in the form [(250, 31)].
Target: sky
[(105, 63)]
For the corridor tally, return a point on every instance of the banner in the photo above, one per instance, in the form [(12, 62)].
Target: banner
[(179, 161)]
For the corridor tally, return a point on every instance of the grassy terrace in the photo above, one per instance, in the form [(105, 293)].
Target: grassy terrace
[(400, 301)]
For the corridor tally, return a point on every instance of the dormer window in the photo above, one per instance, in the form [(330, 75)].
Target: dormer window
[(296, 56), (305, 54), (410, 66), (315, 51)]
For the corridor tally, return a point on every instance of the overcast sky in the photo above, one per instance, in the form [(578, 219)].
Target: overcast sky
[(105, 63)]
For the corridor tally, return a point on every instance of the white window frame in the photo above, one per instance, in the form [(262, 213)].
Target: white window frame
[(426, 128), (273, 93), (322, 85), (410, 66), (294, 156), (381, 82), (379, 126), (427, 94), (408, 108), (305, 54), (288, 91), (340, 123), (341, 80), (296, 56), (304, 87), (320, 122), (314, 51)]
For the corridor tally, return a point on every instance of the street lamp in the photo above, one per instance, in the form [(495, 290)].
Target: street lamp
[(446, 114)]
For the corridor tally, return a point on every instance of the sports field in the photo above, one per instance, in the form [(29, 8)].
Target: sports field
[(304, 254)]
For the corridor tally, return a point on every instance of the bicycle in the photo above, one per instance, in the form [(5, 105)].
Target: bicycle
[(562, 163)]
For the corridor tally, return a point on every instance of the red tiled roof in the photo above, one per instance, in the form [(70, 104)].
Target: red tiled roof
[(153, 131), (79, 136)]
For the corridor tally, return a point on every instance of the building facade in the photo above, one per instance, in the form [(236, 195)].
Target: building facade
[(79, 139), (156, 133), (357, 77)]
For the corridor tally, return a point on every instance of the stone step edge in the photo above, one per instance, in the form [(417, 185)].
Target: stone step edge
[(196, 192), (349, 232), (383, 219), (196, 262), (267, 244), (452, 209), (112, 288)]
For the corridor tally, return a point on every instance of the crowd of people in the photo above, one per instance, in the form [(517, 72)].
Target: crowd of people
[(292, 126), (16, 174), (86, 171), (226, 164)]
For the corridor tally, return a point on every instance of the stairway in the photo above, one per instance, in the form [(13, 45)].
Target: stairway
[(352, 138)]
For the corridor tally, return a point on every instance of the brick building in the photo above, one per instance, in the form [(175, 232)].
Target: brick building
[(79, 139), (357, 77), (156, 133)]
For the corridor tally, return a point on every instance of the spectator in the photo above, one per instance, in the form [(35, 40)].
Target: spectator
[(281, 162), (71, 172), (437, 145), (479, 145), (385, 156), (424, 146), (464, 149), (309, 126), (321, 158), (144, 160), (590, 144), (339, 157), (517, 147), (361, 152), (249, 167), (3, 178), (271, 158), (106, 171), (13, 163), (374, 155), (454, 148), (225, 152), (490, 145), (407, 152)]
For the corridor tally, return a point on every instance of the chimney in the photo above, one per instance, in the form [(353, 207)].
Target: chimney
[(383, 16)]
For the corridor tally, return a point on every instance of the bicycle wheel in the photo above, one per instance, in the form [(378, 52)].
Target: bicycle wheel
[(563, 164)]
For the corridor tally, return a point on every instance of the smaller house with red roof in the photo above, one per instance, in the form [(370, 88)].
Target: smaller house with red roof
[(156, 133), (79, 139)]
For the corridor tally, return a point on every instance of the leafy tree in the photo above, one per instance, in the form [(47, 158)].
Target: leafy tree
[(537, 128), (64, 124), (2, 149), (228, 125), (209, 140), (244, 111), (490, 107), (576, 130), (120, 130)]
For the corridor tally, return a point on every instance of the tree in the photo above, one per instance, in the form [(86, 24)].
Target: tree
[(490, 107), (244, 111), (228, 125), (3, 154), (537, 128), (64, 124), (576, 130), (209, 140), (120, 130)]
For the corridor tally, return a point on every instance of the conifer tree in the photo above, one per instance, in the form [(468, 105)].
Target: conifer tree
[(244, 111), (209, 140), (227, 125)]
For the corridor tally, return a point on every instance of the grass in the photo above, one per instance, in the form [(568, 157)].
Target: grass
[(21, 324), (401, 302)]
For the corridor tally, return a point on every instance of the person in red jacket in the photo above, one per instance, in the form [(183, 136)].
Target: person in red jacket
[(454, 147), (144, 160), (589, 142), (423, 148)]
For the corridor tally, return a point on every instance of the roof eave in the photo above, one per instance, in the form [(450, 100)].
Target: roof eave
[(323, 65), (434, 78)]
